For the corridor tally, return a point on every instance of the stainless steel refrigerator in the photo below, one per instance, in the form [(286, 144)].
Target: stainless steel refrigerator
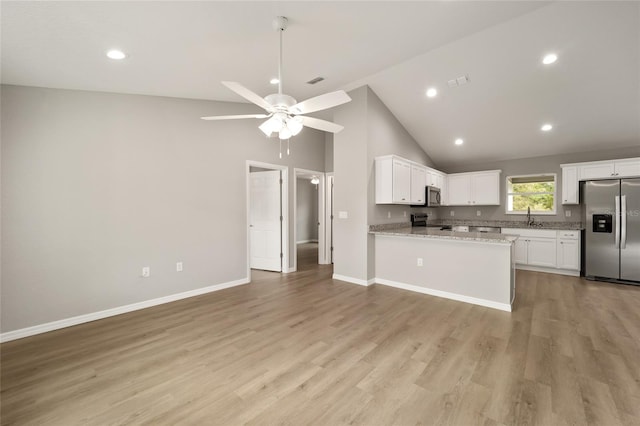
[(612, 234)]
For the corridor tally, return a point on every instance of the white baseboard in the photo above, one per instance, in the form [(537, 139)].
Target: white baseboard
[(306, 241), (548, 270), (80, 319), (445, 294), (353, 280)]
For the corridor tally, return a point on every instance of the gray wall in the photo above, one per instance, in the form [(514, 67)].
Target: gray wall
[(307, 210), (371, 130), (96, 185), (525, 166), (350, 168)]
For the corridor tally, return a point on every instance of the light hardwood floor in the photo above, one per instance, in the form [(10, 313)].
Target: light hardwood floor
[(303, 349)]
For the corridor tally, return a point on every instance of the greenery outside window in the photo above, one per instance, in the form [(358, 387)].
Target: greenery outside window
[(536, 192)]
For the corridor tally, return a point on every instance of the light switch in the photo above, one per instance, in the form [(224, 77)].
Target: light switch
[(452, 213), (567, 213), (343, 215), (478, 213)]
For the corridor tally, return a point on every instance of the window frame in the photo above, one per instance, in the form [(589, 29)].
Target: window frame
[(540, 175)]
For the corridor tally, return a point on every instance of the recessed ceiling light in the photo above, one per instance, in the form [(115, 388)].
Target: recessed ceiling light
[(274, 81), (116, 54), (546, 127), (432, 92), (458, 141), (549, 59)]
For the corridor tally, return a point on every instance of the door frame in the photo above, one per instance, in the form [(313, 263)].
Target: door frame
[(321, 219), (328, 246), (284, 208)]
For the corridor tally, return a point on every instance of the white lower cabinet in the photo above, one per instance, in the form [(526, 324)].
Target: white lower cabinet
[(568, 250), (541, 252), (547, 250)]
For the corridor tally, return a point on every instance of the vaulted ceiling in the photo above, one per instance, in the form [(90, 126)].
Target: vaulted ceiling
[(591, 95)]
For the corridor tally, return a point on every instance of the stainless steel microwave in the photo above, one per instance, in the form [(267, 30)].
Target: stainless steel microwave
[(432, 197)]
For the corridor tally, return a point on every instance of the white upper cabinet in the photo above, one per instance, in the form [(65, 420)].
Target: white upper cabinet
[(485, 188), (476, 188), (572, 174), (570, 185), (597, 170), (400, 181), (628, 167), (418, 183)]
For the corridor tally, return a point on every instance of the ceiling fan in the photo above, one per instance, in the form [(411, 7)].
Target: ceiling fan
[(283, 112)]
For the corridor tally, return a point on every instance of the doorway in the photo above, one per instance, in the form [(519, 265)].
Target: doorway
[(266, 217), (309, 218)]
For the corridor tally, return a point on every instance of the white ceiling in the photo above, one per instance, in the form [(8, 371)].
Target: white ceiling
[(184, 49)]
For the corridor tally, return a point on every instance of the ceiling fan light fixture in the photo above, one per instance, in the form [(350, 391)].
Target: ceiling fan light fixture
[(274, 124), (285, 133), (294, 124)]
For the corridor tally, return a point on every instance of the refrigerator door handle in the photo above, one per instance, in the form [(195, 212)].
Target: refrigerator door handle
[(617, 218), (623, 220)]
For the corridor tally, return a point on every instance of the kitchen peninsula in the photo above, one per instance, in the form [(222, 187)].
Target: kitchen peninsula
[(471, 267)]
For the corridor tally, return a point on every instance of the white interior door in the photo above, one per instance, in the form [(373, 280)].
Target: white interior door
[(265, 226)]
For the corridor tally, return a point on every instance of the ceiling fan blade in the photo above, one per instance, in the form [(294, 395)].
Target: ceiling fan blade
[(316, 123), (326, 101), (248, 95), (235, 117)]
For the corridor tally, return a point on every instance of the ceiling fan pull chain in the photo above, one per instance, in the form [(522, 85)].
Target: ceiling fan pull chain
[(287, 146), (280, 148)]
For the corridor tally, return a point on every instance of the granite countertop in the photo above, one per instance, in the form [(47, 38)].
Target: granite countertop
[(432, 233), (565, 226)]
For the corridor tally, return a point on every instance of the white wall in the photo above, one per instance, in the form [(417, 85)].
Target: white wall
[(307, 210), (96, 185)]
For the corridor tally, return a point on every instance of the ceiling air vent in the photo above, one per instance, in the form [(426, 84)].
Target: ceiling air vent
[(458, 81), (315, 80)]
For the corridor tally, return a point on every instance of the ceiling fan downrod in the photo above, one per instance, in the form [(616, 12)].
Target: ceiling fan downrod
[(280, 24)]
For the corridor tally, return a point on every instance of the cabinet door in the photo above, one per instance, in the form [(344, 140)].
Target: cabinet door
[(627, 168), (541, 252), (438, 181), (520, 253), (597, 170), (418, 183), (459, 190), (485, 189), (570, 185), (569, 254), (401, 182)]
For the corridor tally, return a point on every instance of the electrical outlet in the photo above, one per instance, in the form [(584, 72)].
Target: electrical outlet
[(179, 267), (452, 213), (567, 213), (420, 263), (389, 215), (405, 213), (146, 272), (478, 213)]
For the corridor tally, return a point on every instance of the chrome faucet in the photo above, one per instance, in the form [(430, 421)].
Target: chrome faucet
[(530, 220)]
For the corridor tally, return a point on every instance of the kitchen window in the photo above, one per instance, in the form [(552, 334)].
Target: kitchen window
[(535, 192)]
